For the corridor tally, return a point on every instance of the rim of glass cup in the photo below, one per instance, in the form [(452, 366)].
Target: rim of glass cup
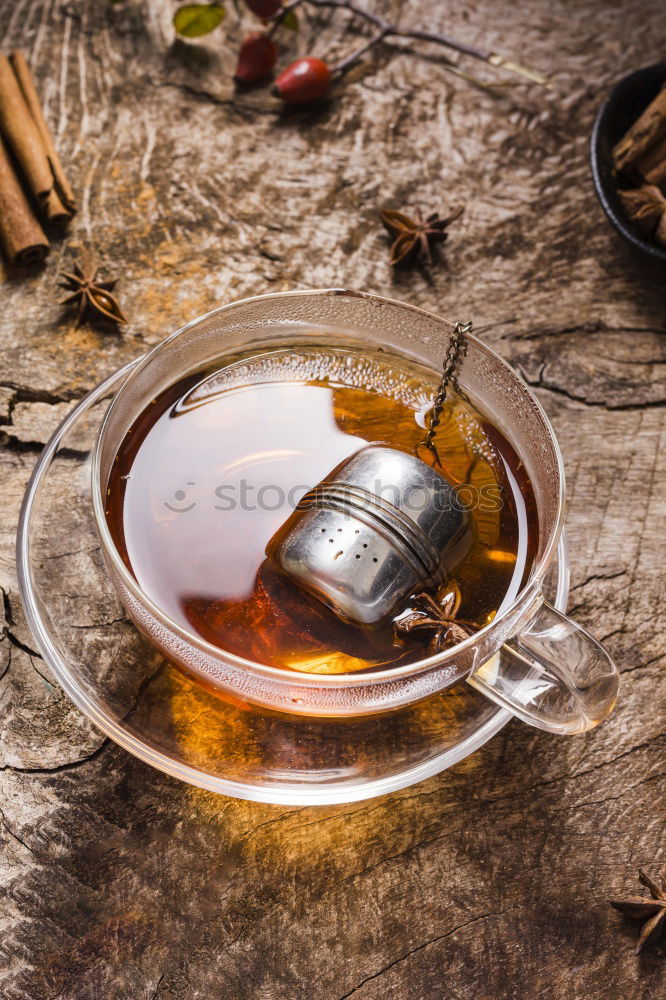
[(278, 673)]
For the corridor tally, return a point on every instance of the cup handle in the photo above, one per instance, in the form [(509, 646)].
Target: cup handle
[(553, 675)]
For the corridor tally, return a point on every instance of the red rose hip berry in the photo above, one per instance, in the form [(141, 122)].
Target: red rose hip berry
[(265, 9), (306, 80), (256, 58)]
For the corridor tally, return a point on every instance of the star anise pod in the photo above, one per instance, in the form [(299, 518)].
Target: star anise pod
[(651, 910), (413, 237), (436, 619), (90, 293)]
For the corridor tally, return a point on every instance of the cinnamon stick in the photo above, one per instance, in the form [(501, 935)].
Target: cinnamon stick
[(27, 85), (645, 206), (21, 234), (648, 128), (652, 165), (21, 132)]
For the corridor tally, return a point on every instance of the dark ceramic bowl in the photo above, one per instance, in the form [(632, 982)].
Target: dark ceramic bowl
[(621, 108)]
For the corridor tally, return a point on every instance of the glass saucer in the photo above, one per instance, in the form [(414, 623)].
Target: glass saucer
[(152, 710)]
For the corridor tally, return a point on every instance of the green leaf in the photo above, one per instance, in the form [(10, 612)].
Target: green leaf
[(290, 20), (195, 19)]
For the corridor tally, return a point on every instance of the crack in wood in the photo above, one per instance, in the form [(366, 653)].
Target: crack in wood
[(559, 390), (421, 947), (60, 768), (31, 394), (19, 644), (593, 577)]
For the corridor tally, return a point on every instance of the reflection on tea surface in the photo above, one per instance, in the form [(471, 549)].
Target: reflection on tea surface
[(215, 465)]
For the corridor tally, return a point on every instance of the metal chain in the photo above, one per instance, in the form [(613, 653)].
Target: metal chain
[(454, 355)]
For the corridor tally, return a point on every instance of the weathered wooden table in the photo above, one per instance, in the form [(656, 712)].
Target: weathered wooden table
[(490, 880)]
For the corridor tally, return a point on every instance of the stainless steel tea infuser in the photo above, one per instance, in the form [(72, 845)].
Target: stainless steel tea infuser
[(380, 526)]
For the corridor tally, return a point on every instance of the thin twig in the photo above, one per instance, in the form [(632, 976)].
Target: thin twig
[(355, 57), (281, 14), (446, 63), (385, 30)]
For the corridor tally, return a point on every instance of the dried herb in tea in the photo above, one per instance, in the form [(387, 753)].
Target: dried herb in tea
[(437, 619)]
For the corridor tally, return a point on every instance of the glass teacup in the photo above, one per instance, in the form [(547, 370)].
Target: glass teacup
[(531, 659)]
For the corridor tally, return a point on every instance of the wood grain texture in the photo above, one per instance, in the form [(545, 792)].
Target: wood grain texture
[(491, 880)]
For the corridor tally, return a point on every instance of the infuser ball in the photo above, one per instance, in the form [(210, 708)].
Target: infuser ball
[(380, 526)]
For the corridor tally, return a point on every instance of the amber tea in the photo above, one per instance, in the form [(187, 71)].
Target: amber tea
[(214, 466)]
